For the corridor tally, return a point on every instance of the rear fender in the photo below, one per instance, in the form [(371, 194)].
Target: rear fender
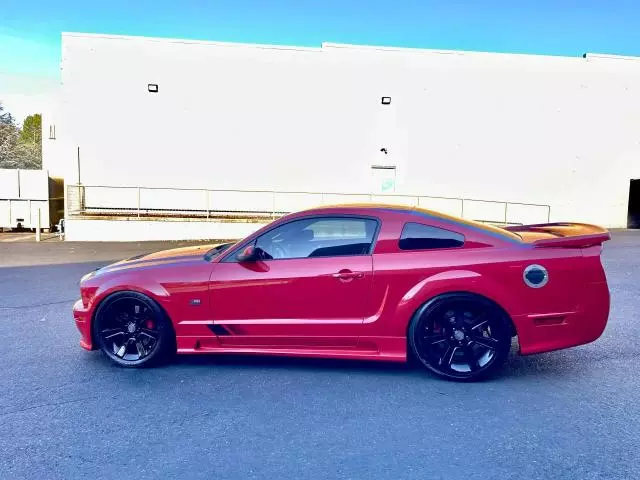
[(467, 281)]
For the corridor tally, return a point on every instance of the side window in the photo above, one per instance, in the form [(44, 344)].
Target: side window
[(416, 236), (318, 237)]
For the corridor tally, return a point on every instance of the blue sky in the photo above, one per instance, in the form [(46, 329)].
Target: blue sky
[(30, 31)]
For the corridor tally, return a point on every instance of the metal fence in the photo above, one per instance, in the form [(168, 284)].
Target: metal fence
[(97, 200)]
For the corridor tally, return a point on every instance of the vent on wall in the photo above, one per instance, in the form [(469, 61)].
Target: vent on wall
[(386, 100), (153, 87)]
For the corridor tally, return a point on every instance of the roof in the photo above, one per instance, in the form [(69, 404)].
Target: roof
[(422, 211)]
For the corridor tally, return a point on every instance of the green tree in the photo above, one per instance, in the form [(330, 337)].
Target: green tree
[(32, 130), (5, 118), (20, 148), (29, 148), (8, 139)]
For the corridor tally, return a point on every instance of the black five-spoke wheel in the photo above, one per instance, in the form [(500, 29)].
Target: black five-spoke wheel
[(460, 336), (131, 329)]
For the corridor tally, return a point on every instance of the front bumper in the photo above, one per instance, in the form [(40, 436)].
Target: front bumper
[(82, 317)]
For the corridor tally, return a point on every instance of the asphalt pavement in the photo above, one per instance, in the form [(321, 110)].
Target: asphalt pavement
[(66, 413)]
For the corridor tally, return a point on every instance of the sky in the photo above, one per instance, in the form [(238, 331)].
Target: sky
[(30, 31)]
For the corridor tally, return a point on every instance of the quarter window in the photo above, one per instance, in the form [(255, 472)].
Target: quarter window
[(416, 236), (318, 237)]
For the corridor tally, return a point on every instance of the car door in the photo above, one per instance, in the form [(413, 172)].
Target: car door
[(308, 288)]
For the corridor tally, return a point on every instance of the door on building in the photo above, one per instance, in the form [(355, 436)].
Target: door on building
[(633, 216), (308, 287), (383, 179)]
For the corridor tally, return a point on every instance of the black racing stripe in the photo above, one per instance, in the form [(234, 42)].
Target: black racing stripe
[(219, 330), (231, 329)]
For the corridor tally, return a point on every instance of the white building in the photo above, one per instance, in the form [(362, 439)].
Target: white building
[(554, 131)]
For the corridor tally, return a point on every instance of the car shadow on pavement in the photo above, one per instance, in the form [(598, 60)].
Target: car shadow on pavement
[(557, 364)]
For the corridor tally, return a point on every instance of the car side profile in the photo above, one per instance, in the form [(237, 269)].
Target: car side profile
[(370, 282)]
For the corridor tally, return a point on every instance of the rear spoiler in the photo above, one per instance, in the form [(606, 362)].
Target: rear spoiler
[(563, 235)]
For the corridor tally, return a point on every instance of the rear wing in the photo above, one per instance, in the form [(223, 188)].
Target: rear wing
[(561, 235)]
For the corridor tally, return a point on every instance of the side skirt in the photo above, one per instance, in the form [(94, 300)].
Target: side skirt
[(390, 349)]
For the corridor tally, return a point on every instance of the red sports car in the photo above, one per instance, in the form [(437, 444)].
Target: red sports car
[(373, 282)]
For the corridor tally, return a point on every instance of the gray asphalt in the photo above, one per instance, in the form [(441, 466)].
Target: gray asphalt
[(66, 413)]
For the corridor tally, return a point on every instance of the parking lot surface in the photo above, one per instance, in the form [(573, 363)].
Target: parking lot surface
[(67, 413)]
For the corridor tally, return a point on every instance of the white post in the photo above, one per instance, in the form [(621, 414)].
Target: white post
[(38, 227), (273, 205)]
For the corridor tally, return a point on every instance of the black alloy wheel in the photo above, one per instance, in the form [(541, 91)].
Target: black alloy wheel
[(460, 336), (132, 330)]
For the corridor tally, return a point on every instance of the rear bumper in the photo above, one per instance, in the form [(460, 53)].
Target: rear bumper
[(553, 331), (82, 317)]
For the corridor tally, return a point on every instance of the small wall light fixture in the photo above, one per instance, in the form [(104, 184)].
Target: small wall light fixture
[(386, 100), (153, 87)]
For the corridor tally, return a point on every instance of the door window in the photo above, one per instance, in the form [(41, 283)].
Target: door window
[(318, 237)]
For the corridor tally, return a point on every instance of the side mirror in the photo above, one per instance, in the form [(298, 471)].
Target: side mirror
[(247, 254)]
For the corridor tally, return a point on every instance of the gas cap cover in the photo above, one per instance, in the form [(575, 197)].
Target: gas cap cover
[(535, 276)]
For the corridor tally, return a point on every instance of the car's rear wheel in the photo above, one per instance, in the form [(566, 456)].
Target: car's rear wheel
[(460, 336), (132, 330)]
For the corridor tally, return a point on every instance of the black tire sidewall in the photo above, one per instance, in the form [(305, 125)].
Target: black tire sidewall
[(502, 352), (166, 337)]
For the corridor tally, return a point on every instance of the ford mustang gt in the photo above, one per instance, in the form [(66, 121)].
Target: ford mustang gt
[(374, 282)]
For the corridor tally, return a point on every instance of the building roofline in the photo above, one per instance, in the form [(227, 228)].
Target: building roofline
[(610, 57), (351, 46), (138, 38), (345, 46), (467, 52)]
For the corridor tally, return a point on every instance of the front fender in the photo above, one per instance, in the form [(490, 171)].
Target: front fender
[(107, 286)]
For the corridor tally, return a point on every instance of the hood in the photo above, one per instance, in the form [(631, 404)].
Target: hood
[(166, 257), (172, 253)]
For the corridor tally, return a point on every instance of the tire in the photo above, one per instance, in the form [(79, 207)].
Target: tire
[(460, 336), (133, 331)]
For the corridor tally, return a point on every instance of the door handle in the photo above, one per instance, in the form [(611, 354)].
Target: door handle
[(346, 275)]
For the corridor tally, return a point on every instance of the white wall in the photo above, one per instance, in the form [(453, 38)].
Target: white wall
[(123, 230), (551, 130)]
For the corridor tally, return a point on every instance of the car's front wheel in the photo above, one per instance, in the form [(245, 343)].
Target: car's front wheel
[(460, 336), (132, 330)]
